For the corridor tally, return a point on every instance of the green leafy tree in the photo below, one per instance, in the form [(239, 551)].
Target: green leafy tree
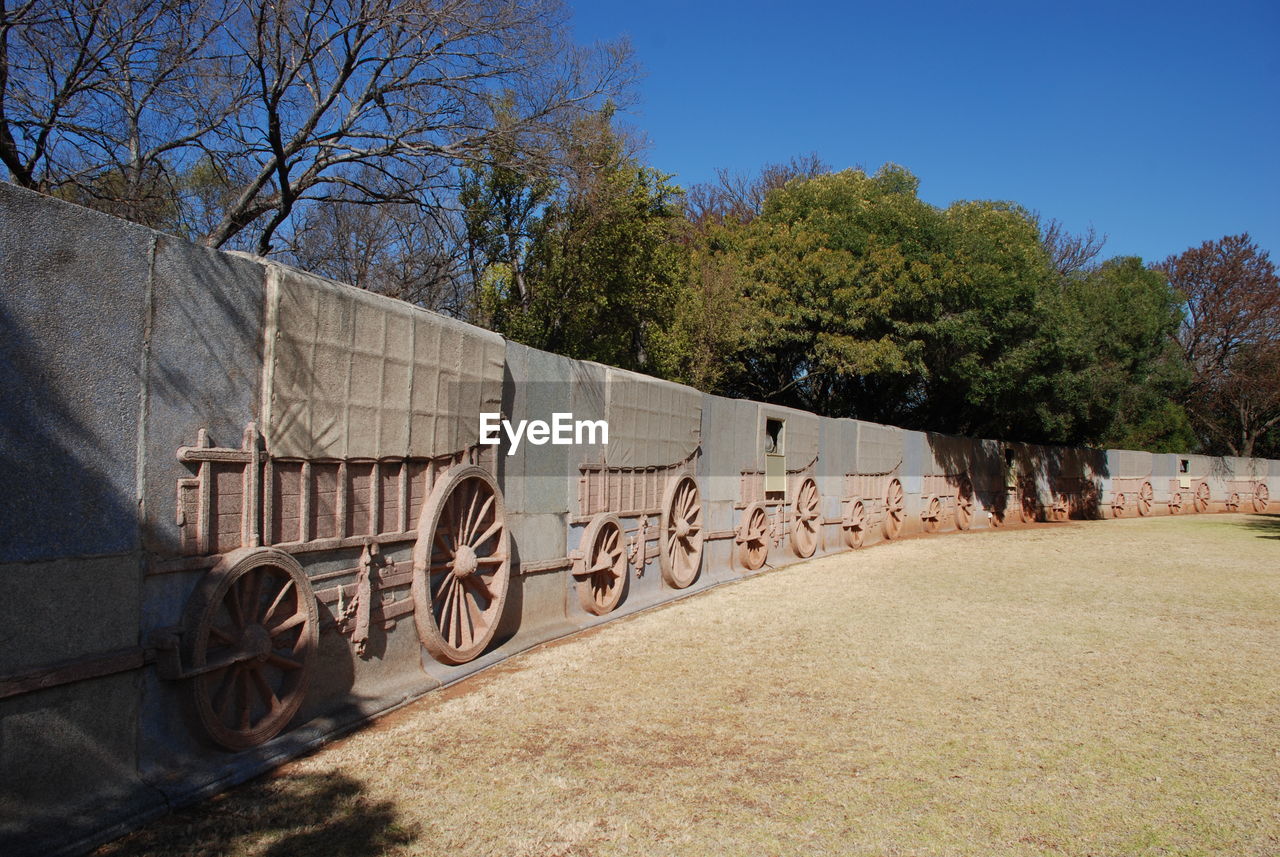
[(862, 300), (603, 269), (1119, 373), (869, 302)]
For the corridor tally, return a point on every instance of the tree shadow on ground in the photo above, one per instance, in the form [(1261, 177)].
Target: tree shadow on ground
[(301, 815), (1265, 526)]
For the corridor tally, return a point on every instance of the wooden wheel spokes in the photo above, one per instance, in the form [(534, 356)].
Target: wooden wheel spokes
[(1175, 503), (1117, 505), (254, 630), (1202, 497), (753, 538), (1261, 497), (855, 523), (464, 559), (932, 514), (461, 565), (806, 518), (893, 509), (1060, 507), (1233, 502), (1029, 505), (680, 553), (1146, 495), (601, 573), (964, 504)]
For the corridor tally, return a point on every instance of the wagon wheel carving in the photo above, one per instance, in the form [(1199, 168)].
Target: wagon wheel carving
[(1117, 504), (251, 633), (854, 523), (751, 542), (1057, 508), (964, 504), (1201, 501), (1175, 503), (461, 565), (931, 515), (1060, 510), (1028, 505), (893, 509), (1146, 495), (1232, 503), (1090, 499), (1261, 497), (600, 571), (999, 505), (806, 518), (682, 535)]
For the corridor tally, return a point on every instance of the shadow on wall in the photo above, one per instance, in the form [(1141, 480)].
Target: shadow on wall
[(1264, 526), (305, 815), (67, 490), (1040, 472)]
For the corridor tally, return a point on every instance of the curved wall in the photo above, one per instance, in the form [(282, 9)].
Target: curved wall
[(179, 424)]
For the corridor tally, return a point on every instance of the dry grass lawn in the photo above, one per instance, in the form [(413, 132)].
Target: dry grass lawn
[(1104, 688)]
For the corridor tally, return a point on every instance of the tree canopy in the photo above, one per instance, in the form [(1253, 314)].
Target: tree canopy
[(1230, 341), (467, 156)]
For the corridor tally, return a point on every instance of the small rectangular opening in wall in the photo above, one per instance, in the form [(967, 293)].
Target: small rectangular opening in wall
[(774, 437), (1184, 465), (775, 459)]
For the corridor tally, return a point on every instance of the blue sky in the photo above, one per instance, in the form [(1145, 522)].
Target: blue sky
[(1156, 123)]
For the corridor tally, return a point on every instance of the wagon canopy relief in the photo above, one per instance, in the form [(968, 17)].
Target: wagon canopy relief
[(350, 374)]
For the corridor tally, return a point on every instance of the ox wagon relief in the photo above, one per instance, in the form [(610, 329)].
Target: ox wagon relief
[(250, 632), (638, 495), (778, 496)]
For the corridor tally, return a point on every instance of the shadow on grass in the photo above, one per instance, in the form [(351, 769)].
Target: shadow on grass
[(301, 815), (1266, 526)]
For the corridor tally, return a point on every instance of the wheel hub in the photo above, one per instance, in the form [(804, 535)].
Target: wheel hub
[(256, 642), (682, 528), (464, 562)]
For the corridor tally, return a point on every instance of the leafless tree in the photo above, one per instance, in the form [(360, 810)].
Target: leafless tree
[(740, 197), (1230, 338), (401, 89), (1069, 252), (390, 249), (103, 101), (231, 117)]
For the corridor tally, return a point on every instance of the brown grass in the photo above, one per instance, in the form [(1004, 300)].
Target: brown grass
[(1103, 688)]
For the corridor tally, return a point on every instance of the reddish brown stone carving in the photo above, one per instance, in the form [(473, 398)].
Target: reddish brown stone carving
[(931, 514), (893, 509), (806, 517), (1261, 497), (680, 557), (249, 641), (1059, 508), (754, 536), (1201, 501), (461, 565), (854, 523), (600, 565), (1146, 496), (964, 503)]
